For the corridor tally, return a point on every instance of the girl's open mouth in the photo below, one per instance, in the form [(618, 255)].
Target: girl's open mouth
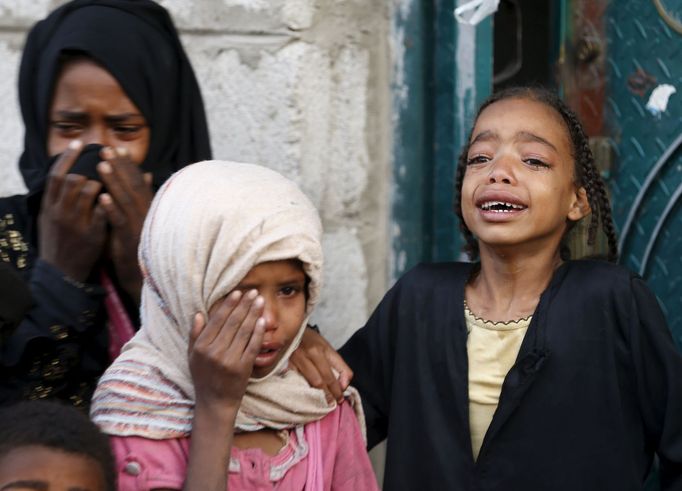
[(501, 207), (266, 356)]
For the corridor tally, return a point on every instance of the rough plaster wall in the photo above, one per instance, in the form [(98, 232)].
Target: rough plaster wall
[(298, 85)]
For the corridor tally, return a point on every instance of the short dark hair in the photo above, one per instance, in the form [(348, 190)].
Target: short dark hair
[(586, 173), (59, 427)]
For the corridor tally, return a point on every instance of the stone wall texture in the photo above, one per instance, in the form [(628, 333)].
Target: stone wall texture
[(301, 86)]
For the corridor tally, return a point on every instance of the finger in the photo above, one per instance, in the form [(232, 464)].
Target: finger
[(114, 214), (198, 325), (148, 179), (66, 160), (99, 219), (245, 330), (127, 171), (253, 348), (329, 381), (115, 186), (310, 372), (60, 168), (338, 364), (88, 195), (71, 187), (234, 321), (217, 315)]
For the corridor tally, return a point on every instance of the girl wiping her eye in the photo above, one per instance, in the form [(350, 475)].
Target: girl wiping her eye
[(202, 398)]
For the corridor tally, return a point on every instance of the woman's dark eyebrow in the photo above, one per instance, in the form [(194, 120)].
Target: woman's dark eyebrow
[(35, 485), (71, 116), (528, 136), (121, 118), (82, 116)]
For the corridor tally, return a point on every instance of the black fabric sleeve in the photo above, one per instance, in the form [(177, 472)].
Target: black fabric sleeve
[(60, 347), (370, 353), (61, 309), (658, 370)]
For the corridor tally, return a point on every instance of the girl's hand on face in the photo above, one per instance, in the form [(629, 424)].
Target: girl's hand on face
[(314, 359), (72, 227), (222, 351), (129, 195)]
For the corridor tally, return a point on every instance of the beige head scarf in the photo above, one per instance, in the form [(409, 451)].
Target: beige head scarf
[(207, 227)]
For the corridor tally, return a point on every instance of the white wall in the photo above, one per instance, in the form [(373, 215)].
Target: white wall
[(299, 85)]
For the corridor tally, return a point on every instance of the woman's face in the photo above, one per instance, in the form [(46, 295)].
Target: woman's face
[(90, 105)]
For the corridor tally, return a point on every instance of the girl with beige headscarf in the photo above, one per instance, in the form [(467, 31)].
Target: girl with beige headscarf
[(232, 262)]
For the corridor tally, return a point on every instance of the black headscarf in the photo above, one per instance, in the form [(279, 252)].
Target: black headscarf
[(136, 41)]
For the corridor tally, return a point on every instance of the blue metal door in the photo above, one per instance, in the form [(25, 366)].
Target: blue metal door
[(643, 52)]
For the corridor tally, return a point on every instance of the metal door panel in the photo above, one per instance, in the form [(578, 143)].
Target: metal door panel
[(643, 52)]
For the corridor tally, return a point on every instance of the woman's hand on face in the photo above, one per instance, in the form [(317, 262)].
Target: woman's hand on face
[(223, 349), (71, 225), (315, 358), (126, 202)]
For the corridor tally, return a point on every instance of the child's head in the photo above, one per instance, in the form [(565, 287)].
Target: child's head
[(219, 226), (529, 150), (46, 445)]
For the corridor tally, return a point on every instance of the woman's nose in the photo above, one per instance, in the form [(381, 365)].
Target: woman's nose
[(96, 135)]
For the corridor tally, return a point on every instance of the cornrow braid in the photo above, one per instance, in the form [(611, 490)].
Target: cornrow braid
[(586, 173)]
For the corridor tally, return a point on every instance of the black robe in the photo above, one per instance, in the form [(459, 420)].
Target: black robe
[(596, 389)]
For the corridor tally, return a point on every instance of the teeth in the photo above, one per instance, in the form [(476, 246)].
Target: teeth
[(508, 207)]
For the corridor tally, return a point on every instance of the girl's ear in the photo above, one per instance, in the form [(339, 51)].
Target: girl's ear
[(580, 207)]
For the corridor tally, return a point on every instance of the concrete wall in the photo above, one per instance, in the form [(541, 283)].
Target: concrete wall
[(299, 85)]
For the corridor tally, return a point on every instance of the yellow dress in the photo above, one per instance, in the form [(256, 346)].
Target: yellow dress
[(492, 348)]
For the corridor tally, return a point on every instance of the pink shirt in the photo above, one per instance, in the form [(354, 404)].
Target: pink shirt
[(144, 464)]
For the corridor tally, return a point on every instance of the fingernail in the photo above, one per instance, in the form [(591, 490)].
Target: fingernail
[(75, 144), (105, 199), (329, 398), (236, 295), (259, 302), (260, 322), (104, 167), (108, 153), (121, 152), (252, 294)]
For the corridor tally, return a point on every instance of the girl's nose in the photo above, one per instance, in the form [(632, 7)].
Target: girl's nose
[(270, 315), (502, 171)]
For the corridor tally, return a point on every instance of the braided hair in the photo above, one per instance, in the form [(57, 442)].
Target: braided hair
[(586, 173)]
